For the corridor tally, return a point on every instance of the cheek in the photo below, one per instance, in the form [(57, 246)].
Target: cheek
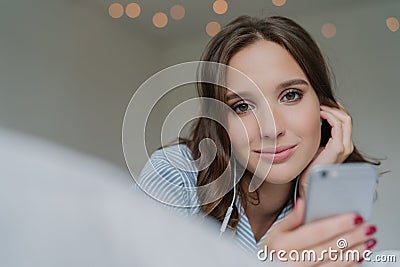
[(307, 126), (242, 133), (307, 123)]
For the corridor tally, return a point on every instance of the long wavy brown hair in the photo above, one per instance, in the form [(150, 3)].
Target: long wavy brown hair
[(236, 35)]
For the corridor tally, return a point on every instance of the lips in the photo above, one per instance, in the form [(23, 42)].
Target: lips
[(274, 150), (276, 155)]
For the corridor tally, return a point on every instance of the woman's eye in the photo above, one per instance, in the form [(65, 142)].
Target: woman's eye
[(242, 108), (292, 96)]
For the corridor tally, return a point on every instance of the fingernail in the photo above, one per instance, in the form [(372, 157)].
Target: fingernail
[(370, 243), (371, 230), (358, 220), (360, 260)]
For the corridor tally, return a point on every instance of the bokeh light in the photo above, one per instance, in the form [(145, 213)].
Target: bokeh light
[(392, 23), (160, 20), (220, 7), (328, 30), (116, 10), (132, 10), (213, 28), (278, 2), (177, 12)]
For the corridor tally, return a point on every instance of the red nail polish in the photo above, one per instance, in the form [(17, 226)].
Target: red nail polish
[(370, 243), (360, 260), (358, 220), (371, 230)]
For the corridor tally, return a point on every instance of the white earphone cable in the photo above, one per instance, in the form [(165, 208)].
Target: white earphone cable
[(230, 209)]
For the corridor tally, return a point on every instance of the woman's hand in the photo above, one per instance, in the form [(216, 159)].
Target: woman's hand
[(338, 147), (289, 235)]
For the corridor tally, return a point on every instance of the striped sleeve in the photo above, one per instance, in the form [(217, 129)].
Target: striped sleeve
[(169, 177)]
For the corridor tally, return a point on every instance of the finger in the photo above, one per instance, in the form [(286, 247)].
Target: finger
[(356, 252), (294, 219), (346, 120), (339, 263), (347, 126), (337, 260), (336, 140), (342, 113), (315, 233), (347, 241), (352, 256), (342, 107)]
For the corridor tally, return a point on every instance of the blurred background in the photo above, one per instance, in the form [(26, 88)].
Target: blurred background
[(69, 68)]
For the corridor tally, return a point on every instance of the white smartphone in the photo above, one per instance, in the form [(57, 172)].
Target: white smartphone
[(341, 188)]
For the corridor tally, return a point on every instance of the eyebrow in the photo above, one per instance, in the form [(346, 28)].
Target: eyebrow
[(231, 96), (291, 83), (281, 86)]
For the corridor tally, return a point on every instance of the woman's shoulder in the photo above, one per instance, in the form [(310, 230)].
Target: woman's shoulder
[(173, 152), (176, 157), (170, 176)]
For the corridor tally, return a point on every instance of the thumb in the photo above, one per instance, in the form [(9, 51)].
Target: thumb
[(295, 217)]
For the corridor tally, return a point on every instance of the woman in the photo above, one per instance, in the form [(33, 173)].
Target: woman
[(271, 136)]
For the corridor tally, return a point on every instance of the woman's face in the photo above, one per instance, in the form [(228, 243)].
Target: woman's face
[(279, 114)]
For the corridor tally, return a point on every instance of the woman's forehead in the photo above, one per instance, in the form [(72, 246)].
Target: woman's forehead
[(262, 62)]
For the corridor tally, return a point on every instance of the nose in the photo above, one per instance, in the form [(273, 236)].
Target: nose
[(271, 123)]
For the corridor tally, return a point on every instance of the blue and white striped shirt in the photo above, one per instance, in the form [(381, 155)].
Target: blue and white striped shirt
[(170, 177)]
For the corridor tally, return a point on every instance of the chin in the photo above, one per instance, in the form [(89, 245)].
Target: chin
[(275, 174), (280, 180)]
